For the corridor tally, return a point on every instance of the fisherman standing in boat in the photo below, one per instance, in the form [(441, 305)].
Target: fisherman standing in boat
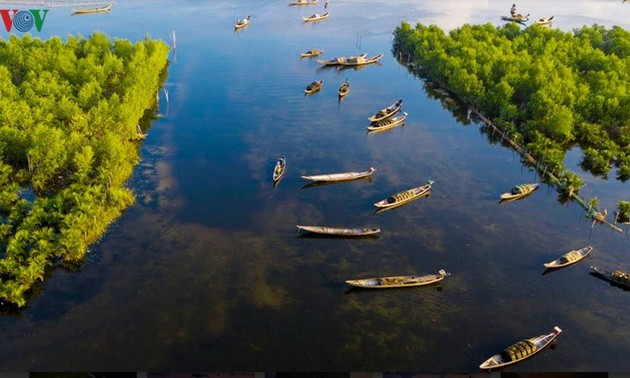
[(513, 10)]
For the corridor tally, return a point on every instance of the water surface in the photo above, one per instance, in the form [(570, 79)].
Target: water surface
[(205, 272)]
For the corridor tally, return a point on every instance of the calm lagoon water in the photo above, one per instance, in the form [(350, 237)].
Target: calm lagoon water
[(206, 272)]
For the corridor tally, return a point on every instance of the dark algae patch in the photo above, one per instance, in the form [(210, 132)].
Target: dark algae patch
[(69, 115)]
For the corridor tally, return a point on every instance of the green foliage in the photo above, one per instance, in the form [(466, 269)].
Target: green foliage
[(623, 210), (556, 88), (67, 113)]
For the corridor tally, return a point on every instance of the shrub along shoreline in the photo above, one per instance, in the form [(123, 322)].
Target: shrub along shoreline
[(548, 90), (68, 117)]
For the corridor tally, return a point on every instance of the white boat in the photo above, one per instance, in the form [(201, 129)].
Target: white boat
[(313, 87), (304, 2), (521, 350), (279, 169), (398, 281), (569, 258), (339, 61), (344, 176), (242, 23), (388, 123), (311, 53), (102, 9), (404, 197), (361, 60), (545, 21), (316, 17), (340, 231), (386, 112), (519, 191)]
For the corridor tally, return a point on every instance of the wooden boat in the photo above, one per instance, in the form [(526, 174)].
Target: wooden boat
[(339, 231), (339, 60), (545, 21), (386, 112), (311, 53), (361, 60), (316, 17), (519, 191), (345, 176), (405, 196), (344, 89), (102, 9), (569, 258), (398, 281), (313, 87), (516, 18), (242, 23), (304, 2), (617, 276), (279, 169), (388, 123), (521, 350)]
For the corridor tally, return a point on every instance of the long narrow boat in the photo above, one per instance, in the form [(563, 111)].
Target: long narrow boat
[(102, 9), (316, 17), (280, 168), (345, 176), (389, 123), (521, 350), (360, 61), (339, 231), (569, 258), (311, 53), (617, 276), (344, 89), (398, 281), (339, 60), (519, 191), (404, 197), (304, 2), (242, 23), (313, 87), (386, 112)]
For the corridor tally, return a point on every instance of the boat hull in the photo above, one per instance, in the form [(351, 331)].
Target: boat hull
[(389, 124), (304, 2), (565, 260), (106, 8), (404, 197), (344, 176), (527, 189), (316, 17), (361, 61), (240, 25), (311, 53), (279, 169), (609, 276), (313, 87), (386, 112), (394, 282), (541, 342), (339, 231)]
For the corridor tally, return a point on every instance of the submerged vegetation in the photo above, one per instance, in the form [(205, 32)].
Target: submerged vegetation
[(69, 113), (547, 89)]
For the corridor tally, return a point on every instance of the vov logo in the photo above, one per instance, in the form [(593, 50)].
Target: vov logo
[(23, 20)]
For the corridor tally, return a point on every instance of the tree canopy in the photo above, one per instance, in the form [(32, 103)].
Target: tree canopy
[(555, 89), (68, 116)]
